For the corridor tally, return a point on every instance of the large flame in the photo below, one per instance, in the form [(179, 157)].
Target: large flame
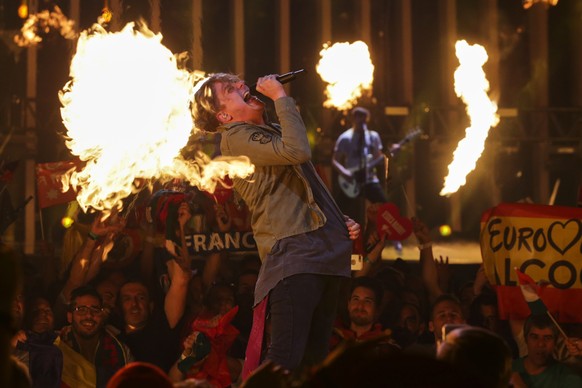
[(472, 86), (127, 114), (45, 21), (348, 70)]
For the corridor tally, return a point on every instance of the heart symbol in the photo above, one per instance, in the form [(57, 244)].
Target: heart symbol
[(391, 224), (562, 232)]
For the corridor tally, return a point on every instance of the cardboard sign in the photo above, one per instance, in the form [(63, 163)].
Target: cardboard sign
[(391, 224)]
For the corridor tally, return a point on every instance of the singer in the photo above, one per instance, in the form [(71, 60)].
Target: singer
[(303, 239)]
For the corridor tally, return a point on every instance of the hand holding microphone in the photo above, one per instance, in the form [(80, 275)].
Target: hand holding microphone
[(283, 79), (270, 87)]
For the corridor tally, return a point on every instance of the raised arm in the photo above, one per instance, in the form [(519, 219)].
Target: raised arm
[(175, 300), (81, 265), (179, 272), (427, 264)]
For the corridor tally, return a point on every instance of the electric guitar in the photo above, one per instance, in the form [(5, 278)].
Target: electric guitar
[(352, 187)]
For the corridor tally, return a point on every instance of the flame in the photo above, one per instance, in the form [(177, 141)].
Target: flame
[(127, 113), (528, 3), (472, 86), (106, 16), (348, 70), (44, 21)]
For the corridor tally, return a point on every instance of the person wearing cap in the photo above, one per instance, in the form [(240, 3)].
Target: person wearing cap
[(303, 239)]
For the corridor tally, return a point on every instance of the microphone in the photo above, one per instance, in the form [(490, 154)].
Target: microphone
[(283, 78)]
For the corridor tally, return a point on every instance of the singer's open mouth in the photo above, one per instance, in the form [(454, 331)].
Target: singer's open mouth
[(247, 96)]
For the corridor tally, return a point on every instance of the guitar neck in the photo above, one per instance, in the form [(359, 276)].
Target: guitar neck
[(376, 161), (414, 134)]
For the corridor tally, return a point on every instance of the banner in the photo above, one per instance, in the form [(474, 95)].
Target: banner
[(391, 224), (49, 185), (213, 242), (544, 242)]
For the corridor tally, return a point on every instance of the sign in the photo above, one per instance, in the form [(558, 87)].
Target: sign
[(544, 242), (214, 242), (391, 224)]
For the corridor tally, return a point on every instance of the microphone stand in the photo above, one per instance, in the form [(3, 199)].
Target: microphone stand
[(364, 178)]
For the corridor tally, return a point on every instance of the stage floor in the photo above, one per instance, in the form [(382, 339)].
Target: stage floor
[(459, 252)]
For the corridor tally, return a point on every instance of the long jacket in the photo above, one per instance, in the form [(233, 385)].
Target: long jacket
[(277, 193)]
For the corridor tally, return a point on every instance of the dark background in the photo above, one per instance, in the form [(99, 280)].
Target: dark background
[(510, 160)]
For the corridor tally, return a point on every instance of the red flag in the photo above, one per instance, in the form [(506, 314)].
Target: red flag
[(553, 256), (530, 291), (7, 170), (49, 185)]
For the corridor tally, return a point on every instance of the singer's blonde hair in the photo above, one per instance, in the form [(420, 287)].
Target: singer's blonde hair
[(205, 106)]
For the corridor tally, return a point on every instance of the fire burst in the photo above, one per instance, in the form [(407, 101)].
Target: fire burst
[(45, 22), (471, 86), (127, 113), (348, 70)]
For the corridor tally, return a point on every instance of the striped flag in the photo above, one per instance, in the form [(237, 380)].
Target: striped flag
[(530, 290)]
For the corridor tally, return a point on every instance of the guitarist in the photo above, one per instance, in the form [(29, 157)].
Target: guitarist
[(357, 152)]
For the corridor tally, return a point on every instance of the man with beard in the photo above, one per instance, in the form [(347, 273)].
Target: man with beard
[(363, 310), (539, 369), (91, 355)]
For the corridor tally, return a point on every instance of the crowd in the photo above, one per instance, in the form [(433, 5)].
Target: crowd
[(185, 320)]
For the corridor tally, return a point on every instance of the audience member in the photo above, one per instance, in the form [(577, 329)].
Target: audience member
[(363, 310), (13, 373), (484, 313), (478, 352), (446, 309), (212, 325), (149, 330), (539, 368), (140, 375), (411, 325), (107, 286), (91, 354), (36, 343), (358, 365)]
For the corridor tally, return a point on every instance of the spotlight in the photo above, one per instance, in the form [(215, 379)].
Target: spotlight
[(445, 230), (70, 215), (23, 10), (67, 222)]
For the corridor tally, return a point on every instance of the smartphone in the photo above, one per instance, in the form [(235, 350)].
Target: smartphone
[(357, 262), (447, 328)]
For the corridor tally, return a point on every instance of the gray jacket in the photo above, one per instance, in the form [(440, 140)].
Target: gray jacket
[(277, 193)]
